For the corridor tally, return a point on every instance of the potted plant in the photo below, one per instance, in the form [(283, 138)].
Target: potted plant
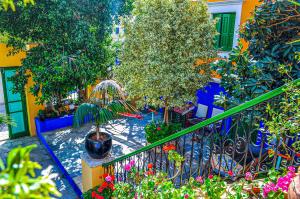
[(100, 109)]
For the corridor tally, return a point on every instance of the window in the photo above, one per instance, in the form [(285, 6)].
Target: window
[(225, 28)]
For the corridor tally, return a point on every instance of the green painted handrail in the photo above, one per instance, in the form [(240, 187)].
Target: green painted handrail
[(209, 121)]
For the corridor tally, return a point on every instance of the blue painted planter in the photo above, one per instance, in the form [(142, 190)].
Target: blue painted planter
[(53, 123)]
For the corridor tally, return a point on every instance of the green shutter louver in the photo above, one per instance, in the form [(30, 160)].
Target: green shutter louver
[(225, 28), (218, 26)]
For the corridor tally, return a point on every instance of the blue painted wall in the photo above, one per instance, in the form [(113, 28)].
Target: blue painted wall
[(206, 96)]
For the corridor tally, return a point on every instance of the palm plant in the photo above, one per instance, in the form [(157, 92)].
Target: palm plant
[(102, 106)]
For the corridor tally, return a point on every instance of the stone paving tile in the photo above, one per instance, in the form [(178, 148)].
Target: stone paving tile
[(40, 155)]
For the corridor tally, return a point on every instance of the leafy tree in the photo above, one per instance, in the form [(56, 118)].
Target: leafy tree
[(73, 45), (18, 178), (6, 4), (163, 39), (272, 35)]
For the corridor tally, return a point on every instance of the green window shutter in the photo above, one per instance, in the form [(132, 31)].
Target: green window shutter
[(218, 26), (225, 26), (225, 32)]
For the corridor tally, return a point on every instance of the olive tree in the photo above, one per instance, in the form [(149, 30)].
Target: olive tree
[(162, 41)]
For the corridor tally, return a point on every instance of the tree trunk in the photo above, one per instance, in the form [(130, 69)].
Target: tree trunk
[(166, 114), (82, 95), (98, 132)]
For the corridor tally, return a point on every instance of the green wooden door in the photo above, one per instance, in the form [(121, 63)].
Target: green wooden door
[(15, 106)]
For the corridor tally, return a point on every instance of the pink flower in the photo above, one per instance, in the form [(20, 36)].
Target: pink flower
[(268, 188), (108, 179), (210, 176), (132, 162), (127, 167), (199, 179), (284, 182), (291, 174), (248, 176), (292, 169), (186, 196)]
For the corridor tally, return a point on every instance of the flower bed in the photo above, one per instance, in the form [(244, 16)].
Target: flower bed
[(151, 184)]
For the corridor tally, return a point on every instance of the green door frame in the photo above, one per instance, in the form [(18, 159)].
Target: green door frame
[(24, 107)]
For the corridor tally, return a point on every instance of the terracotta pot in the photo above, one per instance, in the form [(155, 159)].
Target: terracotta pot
[(98, 149)]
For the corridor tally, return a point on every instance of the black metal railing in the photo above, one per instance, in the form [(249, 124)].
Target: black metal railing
[(235, 140)]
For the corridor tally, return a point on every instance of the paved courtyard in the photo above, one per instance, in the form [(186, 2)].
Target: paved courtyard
[(68, 144)]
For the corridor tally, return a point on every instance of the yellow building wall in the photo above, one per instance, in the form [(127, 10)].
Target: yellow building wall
[(247, 12), (16, 61), (10, 61)]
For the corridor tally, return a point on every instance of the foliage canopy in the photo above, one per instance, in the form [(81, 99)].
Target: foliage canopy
[(71, 40), (163, 39)]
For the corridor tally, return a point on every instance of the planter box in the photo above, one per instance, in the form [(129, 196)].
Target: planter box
[(53, 123)]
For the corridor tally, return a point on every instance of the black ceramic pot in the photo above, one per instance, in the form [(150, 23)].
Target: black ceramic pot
[(98, 149)]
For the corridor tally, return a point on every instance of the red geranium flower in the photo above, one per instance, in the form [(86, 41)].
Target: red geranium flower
[(100, 189), (230, 173), (105, 175), (210, 176), (95, 195), (104, 184), (111, 186), (158, 128), (169, 147), (150, 166), (149, 173)]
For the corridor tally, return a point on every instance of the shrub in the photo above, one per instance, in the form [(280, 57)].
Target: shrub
[(157, 131), (18, 178)]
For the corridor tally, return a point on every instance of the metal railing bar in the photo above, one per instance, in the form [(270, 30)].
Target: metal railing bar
[(209, 121)]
